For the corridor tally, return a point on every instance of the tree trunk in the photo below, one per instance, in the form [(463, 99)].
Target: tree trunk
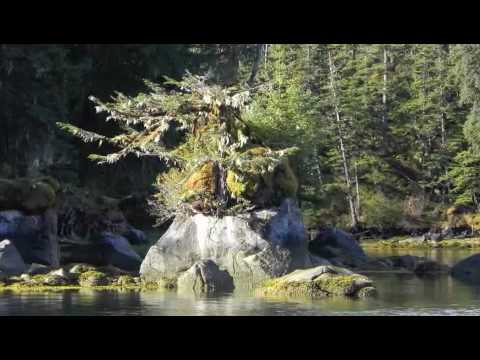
[(317, 165), (350, 197), (256, 64), (384, 94), (357, 190), (51, 224)]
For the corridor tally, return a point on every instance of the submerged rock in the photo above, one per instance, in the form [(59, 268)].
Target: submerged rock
[(405, 263), (251, 247), (468, 269), (429, 267), (205, 276), (320, 281), (11, 262)]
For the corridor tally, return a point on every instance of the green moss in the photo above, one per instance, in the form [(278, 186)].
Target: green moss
[(256, 151), (336, 284), (81, 268), (125, 280), (203, 179), (238, 187), (28, 194), (324, 285), (93, 278), (277, 287)]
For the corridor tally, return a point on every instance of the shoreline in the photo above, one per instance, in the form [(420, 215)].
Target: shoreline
[(417, 243)]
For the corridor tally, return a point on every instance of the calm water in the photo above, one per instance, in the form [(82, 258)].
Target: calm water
[(398, 295)]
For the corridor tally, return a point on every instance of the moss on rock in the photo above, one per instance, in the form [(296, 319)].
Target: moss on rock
[(31, 195), (93, 278), (81, 268), (126, 280), (317, 282), (203, 179), (239, 187)]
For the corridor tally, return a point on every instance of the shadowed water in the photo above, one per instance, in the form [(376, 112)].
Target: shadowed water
[(398, 295)]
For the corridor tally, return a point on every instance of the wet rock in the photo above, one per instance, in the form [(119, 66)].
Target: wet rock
[(93, 278), (408, 262), (38, 269), (205, 276), (119, 253), (11, 262), (25, 277), (251, 246), (126, 280), (321, 281), (60, 272), (368, 291), (105, 249), (80, 268), (468, 269), (135, 236), (55, 280), (33, 235), (331, 243), (429, 267)]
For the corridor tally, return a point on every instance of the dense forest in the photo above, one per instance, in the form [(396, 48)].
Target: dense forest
[(387, 134)]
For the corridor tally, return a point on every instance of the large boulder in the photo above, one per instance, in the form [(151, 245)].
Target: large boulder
[(250, 246), (468, 269), (205, 276), (11, 262), (105, 249), (338, 245), (35, 236)]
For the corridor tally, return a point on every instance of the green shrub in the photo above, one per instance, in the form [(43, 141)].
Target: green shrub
[(381, 212)]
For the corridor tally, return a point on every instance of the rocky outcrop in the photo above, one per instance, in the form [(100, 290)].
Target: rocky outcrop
[(338, 239), (338, 246), (468, 269), (11, 262), (105, 249), (52, 226), (33, 235), (204, 277), (38, 269), (321, 281), (251, 247)]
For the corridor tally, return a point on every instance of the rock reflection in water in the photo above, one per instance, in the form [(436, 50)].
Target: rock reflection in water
[(399, 294)]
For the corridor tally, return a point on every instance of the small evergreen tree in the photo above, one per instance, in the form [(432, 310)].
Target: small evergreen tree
[(216, 165)]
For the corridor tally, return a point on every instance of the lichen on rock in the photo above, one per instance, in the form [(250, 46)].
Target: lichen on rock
[(321, 281)]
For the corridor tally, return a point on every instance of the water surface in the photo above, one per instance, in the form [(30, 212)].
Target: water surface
[(398, 295)]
